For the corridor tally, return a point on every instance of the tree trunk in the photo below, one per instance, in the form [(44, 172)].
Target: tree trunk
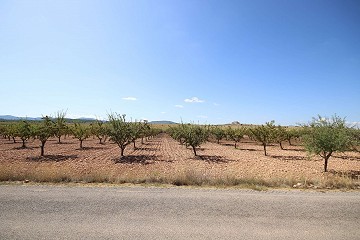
[(122, 151), (59, 139), (289, 141), (194, 149), (218, 141), (326, 161), (134, 144), (235, 144), (265, 149), (81, 146), (42, 148), (14, 139), (281, 146), (23, 143), (142, 140)]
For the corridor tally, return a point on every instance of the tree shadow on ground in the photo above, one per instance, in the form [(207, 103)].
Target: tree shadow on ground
[(290, 158), (23, 148), (248, 149), (138, 159), (65, 143), (90, 148), (52, 158), (352, 158), (212, 159), (145, 149), (295, 150), (227, 144), (353, 174)]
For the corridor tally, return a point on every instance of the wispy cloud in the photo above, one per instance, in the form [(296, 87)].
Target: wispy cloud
[(129, 98), (194, 100), (179, 106)]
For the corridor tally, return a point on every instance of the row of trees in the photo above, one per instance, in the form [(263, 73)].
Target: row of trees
[(193, 135), (321, 136), (117, 129)]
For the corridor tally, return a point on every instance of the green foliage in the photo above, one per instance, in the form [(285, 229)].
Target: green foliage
[(326, 136), (236, 134), (280, 135), (218, 133), (60, 126), (43, 131), (120, 131), (81, 132), (24, 131), (264, 134), (136, 130), (100, 130), (190, 134)]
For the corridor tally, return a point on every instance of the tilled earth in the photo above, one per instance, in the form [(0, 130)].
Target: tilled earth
[(163, 156)]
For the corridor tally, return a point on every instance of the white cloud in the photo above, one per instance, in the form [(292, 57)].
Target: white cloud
[(129, 98), (194, 100), (179, 106)]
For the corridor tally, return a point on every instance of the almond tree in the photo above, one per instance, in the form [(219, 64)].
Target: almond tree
[(280, 135), (235, 134), (43, 131), (24, 131), (218, 133), (327, 136), (60, 125), (120, 131), (81, 132), (99, 129), (264, 134), (192, 135), (136, 129)]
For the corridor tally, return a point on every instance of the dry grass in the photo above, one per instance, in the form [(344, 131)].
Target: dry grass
[(188, 177)]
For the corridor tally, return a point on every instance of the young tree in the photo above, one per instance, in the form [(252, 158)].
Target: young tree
[(235, 134), (280, 135), (218, 133), (264, 134), (24, 131), (120, 131), (12, 131), (327, 136), (43, 131), (195, 135), (60, 127), (99, 129), (136, 129), (81, 132), (190, 134)]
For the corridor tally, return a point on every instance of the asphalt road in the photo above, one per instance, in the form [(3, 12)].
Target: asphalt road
[(63, 212)]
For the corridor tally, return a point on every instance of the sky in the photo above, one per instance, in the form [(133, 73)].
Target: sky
[(210, 62)]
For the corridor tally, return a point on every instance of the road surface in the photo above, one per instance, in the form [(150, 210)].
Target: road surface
[(65, 212)]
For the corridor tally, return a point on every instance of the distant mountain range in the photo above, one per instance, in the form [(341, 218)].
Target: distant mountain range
[(15, 118), (162, 122)]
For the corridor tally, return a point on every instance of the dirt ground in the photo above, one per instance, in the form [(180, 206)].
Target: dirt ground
[(163, 156)]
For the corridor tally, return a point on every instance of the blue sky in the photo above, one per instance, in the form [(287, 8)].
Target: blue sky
[(200, 61)]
